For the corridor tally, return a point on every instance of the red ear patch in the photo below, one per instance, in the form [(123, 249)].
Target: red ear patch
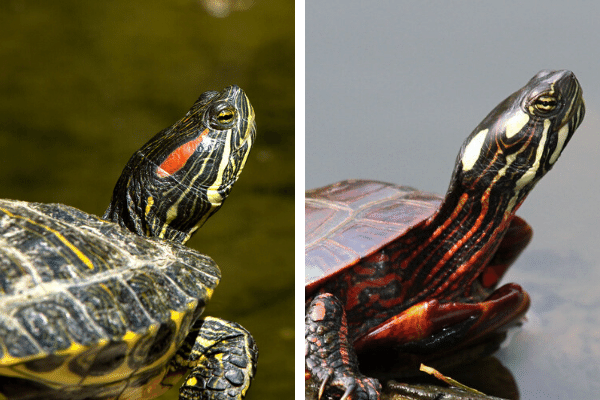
[(177, 159)]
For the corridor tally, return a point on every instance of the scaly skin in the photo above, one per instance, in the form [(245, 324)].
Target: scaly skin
[(222, 359), (329, 356)]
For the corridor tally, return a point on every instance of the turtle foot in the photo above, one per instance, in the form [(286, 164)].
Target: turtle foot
[(346, 386), (330, 360), (223, 362)]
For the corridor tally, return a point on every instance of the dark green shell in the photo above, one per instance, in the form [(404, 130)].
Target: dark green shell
[(86, 302)]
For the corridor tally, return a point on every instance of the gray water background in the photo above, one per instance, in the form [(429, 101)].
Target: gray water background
[(392, 90)]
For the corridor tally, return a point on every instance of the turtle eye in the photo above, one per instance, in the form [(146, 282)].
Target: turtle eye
[(222, 117), (544, 104), (225, 117)]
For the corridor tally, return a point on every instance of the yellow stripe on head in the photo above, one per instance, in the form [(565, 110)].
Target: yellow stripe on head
[(473, 150)]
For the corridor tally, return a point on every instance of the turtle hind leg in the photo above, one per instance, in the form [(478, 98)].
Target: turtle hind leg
[(222, 362), (330, 359)]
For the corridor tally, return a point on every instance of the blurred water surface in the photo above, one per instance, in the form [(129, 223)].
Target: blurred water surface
[(85, 84)]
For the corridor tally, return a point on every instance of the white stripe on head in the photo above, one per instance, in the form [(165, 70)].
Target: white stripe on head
[(532, 171), (473, 150), (563, 133), (515, 123)]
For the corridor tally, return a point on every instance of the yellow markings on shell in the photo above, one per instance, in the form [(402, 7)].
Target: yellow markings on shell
[(62, 375), (153, 328), (7, 360), (56, 378), (129, 336), (74, 249), (531, 172), (192, 381), (124, 371), (177, 316), (473, 150), (59, 236), (516, 123), (563, 133), (76, 348)]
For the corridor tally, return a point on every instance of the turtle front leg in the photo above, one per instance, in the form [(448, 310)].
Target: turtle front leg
[(222, 361), (330, 359), (433, 326)]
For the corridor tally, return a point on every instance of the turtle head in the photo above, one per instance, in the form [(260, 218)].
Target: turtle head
[(182, 176), (521, 139)]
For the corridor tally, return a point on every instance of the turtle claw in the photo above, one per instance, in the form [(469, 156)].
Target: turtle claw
[(354, 386), (347, 393), (330, 359), (362, 387), (350, 388), (322, 389)]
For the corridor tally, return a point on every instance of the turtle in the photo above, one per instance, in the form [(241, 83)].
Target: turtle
[(109, 308), (392, 272)]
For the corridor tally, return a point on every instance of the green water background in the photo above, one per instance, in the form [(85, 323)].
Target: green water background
[(84, 84)]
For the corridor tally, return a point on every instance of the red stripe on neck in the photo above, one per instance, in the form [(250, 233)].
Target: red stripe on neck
[(177, 159)]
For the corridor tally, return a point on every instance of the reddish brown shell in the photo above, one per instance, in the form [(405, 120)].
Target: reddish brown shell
[(349, 220)]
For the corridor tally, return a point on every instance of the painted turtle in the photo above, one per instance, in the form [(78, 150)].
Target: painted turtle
[(415, 274), (109, 308)]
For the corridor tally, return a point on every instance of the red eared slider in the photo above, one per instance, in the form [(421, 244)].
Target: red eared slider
[(108, 308), (399, 273)]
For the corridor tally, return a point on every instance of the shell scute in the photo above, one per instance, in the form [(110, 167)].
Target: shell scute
[(351, 219), (112, 305), (55, 322), (355, 194), (325, 258), (167, 290), (12, 274), (149, 295), (194, 285), (15, 343)]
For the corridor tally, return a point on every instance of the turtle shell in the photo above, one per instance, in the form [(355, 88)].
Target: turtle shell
[(350, 220), (84, 302)]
